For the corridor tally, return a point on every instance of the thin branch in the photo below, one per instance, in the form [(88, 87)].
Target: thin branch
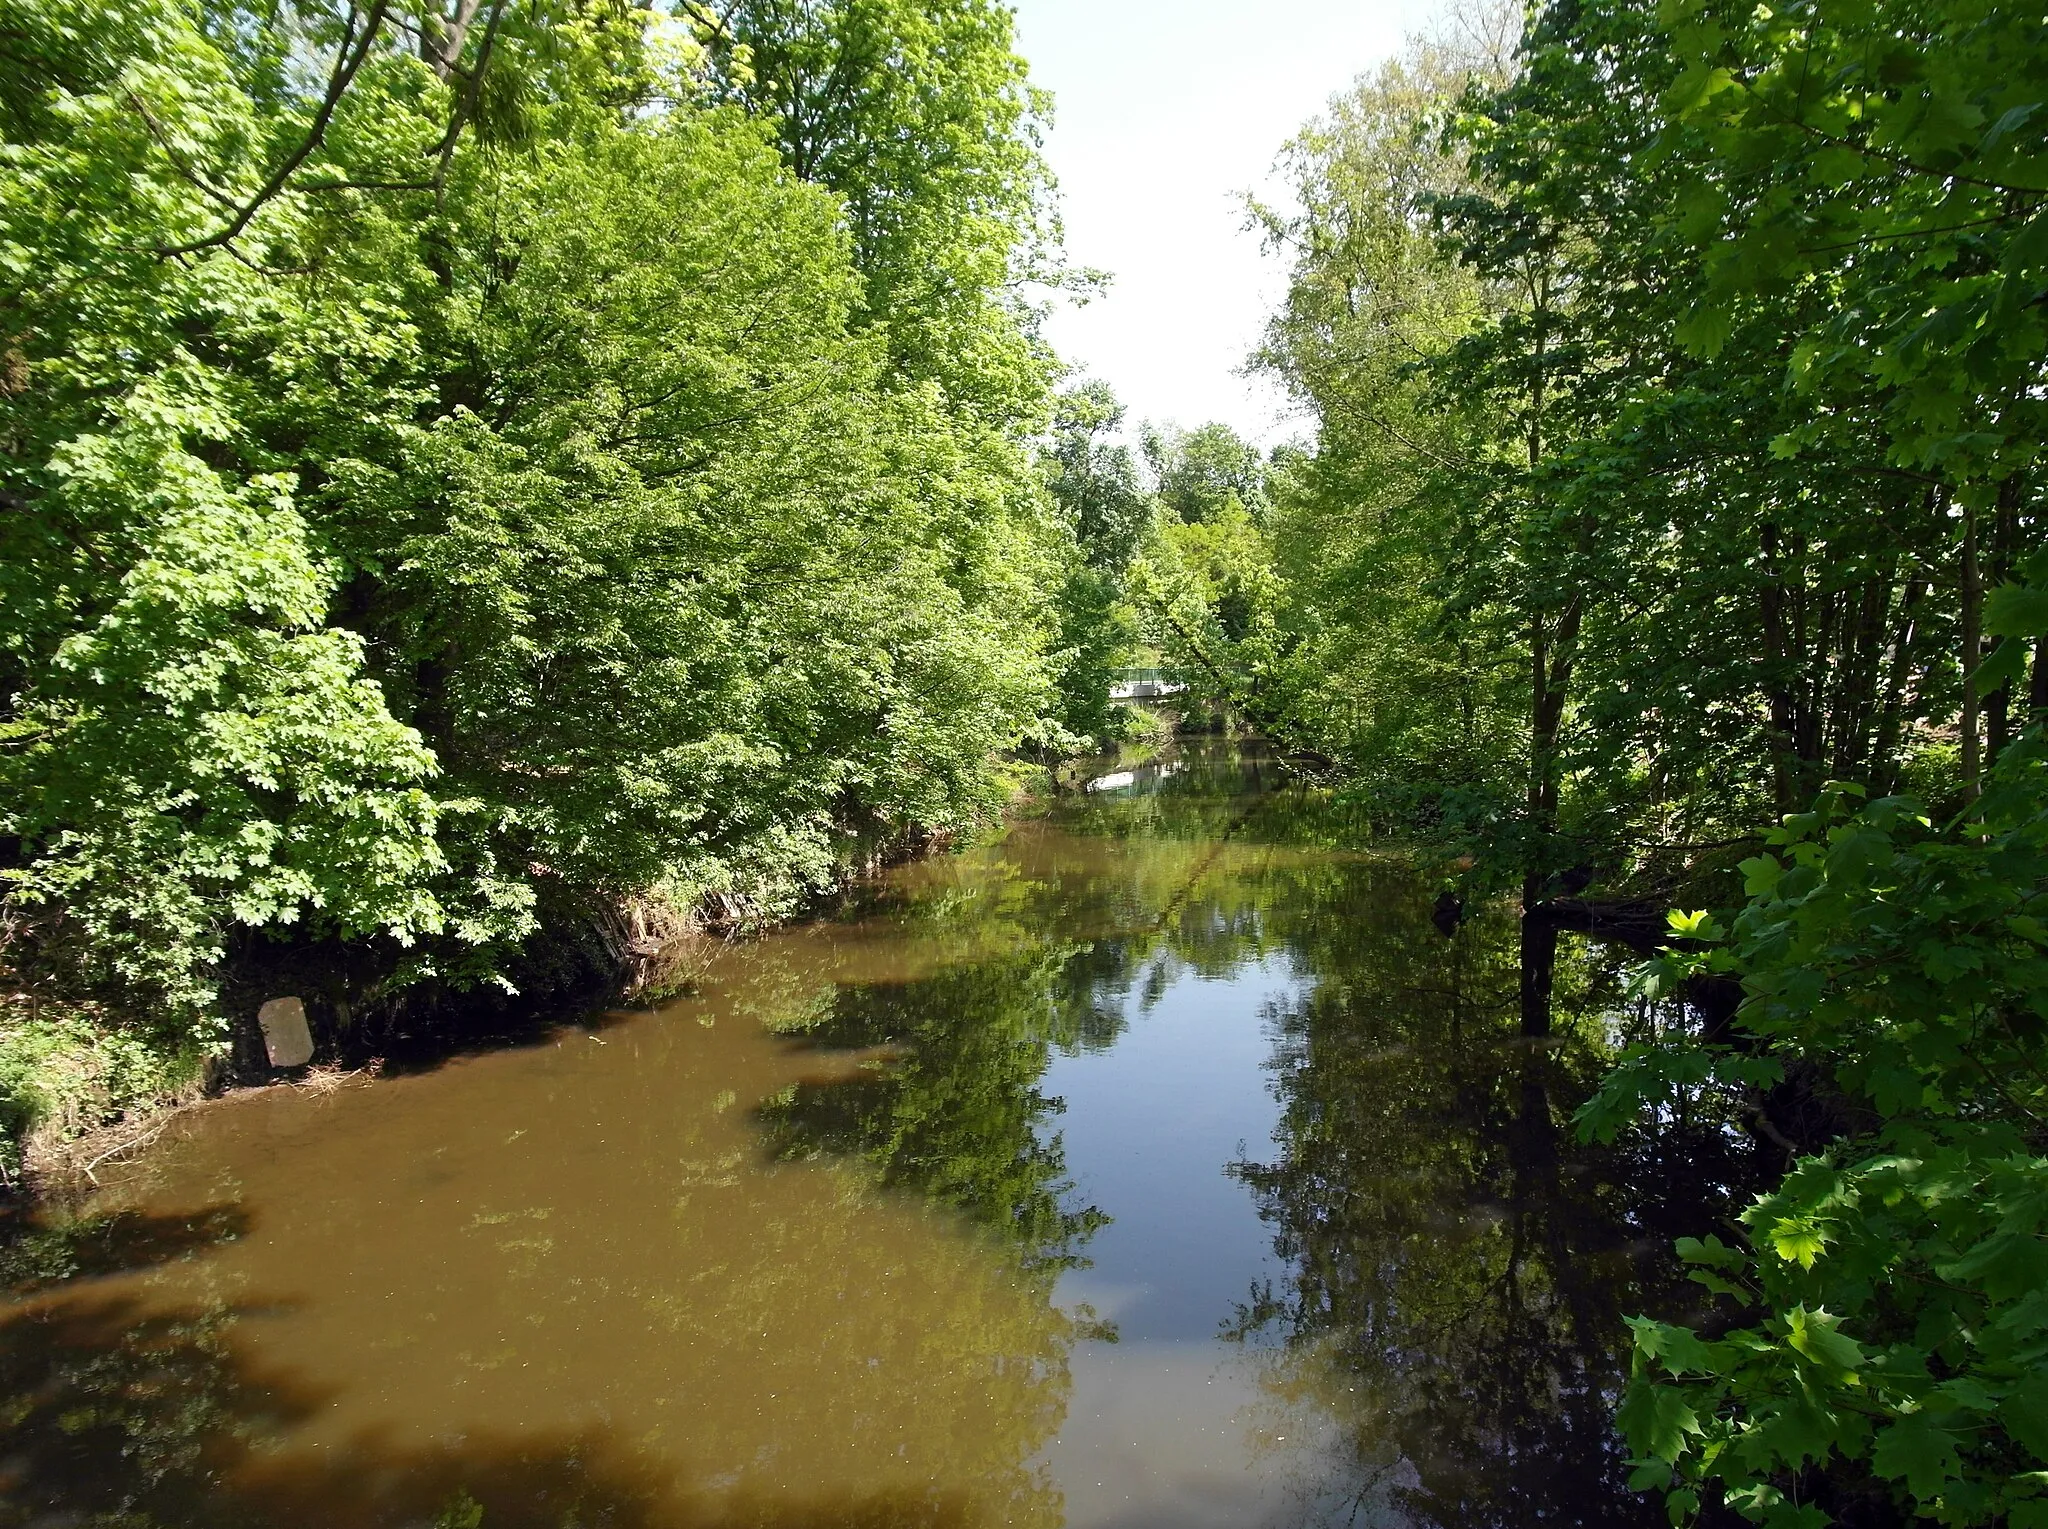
[(719, 26), (1911, 233), (178, 162), (138, 1141), (354, 51), (1897, 161), (1374, 417), (465, 108)]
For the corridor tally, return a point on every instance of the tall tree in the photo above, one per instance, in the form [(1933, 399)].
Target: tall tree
[(455, 481), (922, 117)]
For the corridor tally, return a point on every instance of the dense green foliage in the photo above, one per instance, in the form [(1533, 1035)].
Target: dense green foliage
[(464, 463), (1678, 381), (1665, 453), (468, 466), (1892, 1287)]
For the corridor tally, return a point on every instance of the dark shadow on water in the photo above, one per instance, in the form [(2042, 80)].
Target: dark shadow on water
[(122, 1418), (38, 1250)]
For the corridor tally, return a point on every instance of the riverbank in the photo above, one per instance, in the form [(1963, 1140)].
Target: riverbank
[(81, 1081), (1072, 1180), (82, 1084)]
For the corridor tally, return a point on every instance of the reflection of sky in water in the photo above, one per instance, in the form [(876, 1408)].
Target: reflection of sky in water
[(1169, 1425), (1150, 1128)]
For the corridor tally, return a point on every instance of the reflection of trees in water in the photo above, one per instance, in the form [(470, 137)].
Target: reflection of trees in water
[(948, 1101), (1217, 875), (950, 1105), (1222, 791), (1461, 1266)]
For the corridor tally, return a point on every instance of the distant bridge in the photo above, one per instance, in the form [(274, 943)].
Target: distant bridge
[(1143, 684)]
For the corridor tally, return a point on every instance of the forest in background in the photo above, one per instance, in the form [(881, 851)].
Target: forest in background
[(485, 481)]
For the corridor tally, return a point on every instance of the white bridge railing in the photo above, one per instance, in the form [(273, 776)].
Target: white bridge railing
[(1143, 684)]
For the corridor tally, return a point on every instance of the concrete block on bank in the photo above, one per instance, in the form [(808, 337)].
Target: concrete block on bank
[(287, 1039)]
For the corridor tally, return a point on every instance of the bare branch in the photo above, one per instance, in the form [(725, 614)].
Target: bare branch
[(465, 106), (720, 25), (441, 44), (178, 161)]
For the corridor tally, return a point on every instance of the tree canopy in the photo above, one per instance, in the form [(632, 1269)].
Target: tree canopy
[(1677, 380), (466, 461), (471, 470)]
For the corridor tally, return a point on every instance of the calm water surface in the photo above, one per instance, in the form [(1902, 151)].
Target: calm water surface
[(1158, 1165)]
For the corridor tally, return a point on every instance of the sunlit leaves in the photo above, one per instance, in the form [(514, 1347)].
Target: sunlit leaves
[(543, 530), (1659, 1421)]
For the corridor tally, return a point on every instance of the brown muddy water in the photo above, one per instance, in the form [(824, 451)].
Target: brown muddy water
[(1157, 1165)]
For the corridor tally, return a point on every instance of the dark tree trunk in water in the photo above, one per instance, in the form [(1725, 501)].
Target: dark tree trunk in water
[(1539, 958), (1637, 926), (1998, 707), (1972, 653)]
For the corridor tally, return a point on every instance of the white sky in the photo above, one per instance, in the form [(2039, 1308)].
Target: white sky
[(1166, 112)]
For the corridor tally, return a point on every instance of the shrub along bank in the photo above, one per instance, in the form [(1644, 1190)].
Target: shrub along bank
[(471, 467)]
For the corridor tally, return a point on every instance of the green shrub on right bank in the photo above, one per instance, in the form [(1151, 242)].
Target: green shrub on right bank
[(1884, 1318)]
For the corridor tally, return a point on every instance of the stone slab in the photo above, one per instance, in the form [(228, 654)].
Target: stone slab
[(286, 1036)]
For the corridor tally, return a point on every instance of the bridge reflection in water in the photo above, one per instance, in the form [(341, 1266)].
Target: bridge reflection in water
[(1138, 778)]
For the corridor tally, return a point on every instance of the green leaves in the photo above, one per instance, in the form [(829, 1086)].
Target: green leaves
[(558, 529), (2024, 1412), (1658, 1421), (1893, 1286), (1695, 88), (1798, 1239), (1745, 418), (1817, 1335), (1918, 1453), (1677, 1350), (2017, 610), (1706, 331)]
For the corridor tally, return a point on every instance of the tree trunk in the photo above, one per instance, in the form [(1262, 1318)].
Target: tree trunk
[(1538, 956), (1973, 628), (1549, 673), (1855, 708), (1777, 672), (443, 37), (2004, 553), (1884, 750)]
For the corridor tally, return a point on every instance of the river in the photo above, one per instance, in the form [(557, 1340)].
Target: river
[(1156, 1164)]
